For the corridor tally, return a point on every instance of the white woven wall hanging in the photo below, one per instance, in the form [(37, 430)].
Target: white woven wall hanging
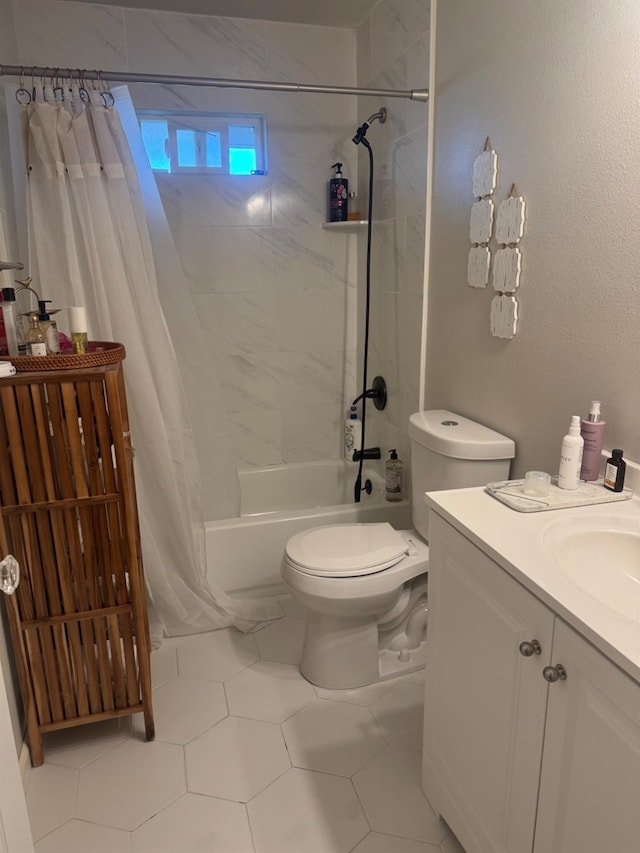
[(485, 173)]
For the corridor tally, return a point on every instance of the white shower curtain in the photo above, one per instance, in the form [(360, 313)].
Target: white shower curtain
[(89, 245)]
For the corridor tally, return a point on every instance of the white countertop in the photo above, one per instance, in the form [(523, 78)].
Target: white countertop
[(513, 540)]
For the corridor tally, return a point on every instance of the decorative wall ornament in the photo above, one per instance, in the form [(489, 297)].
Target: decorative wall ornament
[(510, 218), (506, 270), (481, 224), (485, 172), (504, 316), (478, 266), (507, 264)]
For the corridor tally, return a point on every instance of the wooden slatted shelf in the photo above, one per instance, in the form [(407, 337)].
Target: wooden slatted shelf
[(68, 514)]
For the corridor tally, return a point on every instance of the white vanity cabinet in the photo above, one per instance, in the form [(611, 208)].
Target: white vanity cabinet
[(513, 762)]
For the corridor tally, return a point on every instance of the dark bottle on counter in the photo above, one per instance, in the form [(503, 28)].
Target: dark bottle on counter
[(614, 471)]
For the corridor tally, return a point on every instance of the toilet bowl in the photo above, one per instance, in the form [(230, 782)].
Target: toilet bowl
[(365, 585), (362, 584)]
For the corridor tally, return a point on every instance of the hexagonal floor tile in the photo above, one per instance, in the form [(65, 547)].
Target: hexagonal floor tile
[(79, 745), (50, 794), (131, 783), (389, 788), (235, 759), (400, 715), (184, 708), (332, 737), (196, 824), (268, 691), (78, 836), (216, 655), (375, 842), (303, 810), (282, 641)]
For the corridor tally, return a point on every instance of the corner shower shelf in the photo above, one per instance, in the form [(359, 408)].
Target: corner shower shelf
[(349, 225)]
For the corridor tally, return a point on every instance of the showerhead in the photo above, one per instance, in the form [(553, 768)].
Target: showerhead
[(361, 132)]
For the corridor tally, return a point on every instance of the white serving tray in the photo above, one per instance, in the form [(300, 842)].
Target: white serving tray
[(510, 492)]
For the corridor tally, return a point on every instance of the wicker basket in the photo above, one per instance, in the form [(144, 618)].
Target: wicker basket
[(101, 353)]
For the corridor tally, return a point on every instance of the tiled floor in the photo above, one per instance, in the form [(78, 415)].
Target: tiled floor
[(248, 758)]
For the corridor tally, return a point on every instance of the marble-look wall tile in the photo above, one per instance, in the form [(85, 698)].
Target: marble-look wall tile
[(387, 244), (311, 320), (305, 378), (347, 378), (237, 323), (299, 126), (299, 258), (312, 433), (418, 78), (195, 45), (217, 200), (363, 48), (249, 382), (257, 437), (411, 258), (78, 35), (408, 171), (299, 53), (159, 96), (395, 25), (409, 314), (299, 192)]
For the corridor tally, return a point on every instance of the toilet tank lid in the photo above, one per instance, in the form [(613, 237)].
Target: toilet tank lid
[(459, 438)]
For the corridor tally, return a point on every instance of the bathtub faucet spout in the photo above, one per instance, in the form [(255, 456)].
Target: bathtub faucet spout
[(367, 453)]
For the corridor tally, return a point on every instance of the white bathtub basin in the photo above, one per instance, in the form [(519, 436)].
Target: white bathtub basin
[(244, 554)]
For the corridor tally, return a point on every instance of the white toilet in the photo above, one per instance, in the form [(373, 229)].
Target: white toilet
[(365, 585)]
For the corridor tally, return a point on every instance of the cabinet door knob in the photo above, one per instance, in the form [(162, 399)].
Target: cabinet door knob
[(554, 673), (530, 648)]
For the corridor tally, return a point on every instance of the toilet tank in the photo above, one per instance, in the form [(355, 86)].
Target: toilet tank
[(452, 452)]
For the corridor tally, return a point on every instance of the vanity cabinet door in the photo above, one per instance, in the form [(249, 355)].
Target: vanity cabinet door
[(590, 784), (485, 701)]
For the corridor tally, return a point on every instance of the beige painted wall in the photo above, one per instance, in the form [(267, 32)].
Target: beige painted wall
[(555, 85)]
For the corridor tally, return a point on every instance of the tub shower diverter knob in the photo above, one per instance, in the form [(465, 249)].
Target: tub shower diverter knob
[(554, 673), (530, 648)]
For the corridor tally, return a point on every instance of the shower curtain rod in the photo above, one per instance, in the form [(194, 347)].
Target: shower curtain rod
[(215, 82)]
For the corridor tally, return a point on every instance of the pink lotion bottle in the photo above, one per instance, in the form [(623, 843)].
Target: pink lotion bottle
[(592, 431)]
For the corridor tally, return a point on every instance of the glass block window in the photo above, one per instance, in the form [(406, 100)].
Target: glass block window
[(199, 143)]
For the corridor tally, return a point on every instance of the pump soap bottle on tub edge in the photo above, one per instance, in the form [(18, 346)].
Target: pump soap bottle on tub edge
[(592, 431), (393, 477), (571, 456), (352, 434)]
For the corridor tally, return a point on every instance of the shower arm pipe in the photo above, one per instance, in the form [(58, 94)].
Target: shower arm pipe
[(214, 82)]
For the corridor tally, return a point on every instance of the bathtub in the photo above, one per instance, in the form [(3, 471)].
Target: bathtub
[(244, 554)]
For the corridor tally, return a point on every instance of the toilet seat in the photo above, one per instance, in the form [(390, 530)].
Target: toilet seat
[(346, 550)]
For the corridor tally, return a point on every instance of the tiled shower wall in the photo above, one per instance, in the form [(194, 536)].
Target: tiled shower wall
[(393, 53), (274, 292)]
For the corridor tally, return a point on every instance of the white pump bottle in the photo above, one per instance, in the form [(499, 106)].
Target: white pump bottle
[(571, 456)]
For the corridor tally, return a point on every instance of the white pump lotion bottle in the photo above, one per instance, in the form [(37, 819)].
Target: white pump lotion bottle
[(571, 456)]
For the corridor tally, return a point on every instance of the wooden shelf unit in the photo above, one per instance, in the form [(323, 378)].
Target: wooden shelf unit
[(68, 514)]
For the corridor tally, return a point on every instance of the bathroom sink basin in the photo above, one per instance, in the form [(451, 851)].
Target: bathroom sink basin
[(601, 556)]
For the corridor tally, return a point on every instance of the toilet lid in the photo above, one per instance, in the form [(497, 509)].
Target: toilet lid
[(346, 550)]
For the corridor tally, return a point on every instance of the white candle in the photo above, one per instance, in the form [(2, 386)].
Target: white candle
[(77, 320)]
